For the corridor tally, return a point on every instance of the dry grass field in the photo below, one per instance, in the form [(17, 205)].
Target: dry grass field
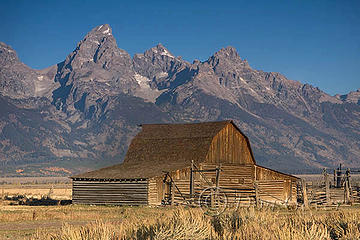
[(75, 222), (37, 187), (111, 222)]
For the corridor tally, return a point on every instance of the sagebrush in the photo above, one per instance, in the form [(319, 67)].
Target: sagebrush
[(191, 223)]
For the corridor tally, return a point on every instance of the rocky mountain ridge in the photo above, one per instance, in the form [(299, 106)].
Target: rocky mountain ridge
[(83, 112), (351, 97)]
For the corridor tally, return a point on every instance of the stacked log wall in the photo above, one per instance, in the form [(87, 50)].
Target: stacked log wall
[(274, 186), (100, 192)]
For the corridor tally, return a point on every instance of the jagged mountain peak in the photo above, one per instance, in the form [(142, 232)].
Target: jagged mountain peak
[(351, 97), (227, 56), (103, 29), (98, 36), (159, 49), (98, 47), (7, 54), (99, 32), (227, 52), (18, 81), (5, 46), (95, 69)]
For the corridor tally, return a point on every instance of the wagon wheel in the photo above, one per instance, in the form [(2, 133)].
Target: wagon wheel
[(213, 201)]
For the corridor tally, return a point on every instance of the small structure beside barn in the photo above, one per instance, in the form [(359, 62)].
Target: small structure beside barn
[(175, 163)]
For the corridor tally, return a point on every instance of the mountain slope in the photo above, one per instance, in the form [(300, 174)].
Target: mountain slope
[(351, 97), (83, 112)]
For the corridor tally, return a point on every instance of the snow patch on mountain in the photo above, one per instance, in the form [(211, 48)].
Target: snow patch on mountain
[(107, 31), (145, 91), (166, 53)]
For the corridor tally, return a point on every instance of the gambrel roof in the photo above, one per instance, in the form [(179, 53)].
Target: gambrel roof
[(160, 148)]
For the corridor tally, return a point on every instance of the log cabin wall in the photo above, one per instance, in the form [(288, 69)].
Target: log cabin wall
[(235, 180), (181, 179), (230, 146), (156, 190), (231, 175), (160, 190), (124, 192), (277, 191), (274, 186)]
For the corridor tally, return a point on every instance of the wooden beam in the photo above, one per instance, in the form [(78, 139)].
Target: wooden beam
[(290, 195), (305, 198), (172, 191), (206, 170), (256, 194), (172, 181), (212, 198), (349, 183), (217, 176), (327, 186), (347, 193), (192, 179)]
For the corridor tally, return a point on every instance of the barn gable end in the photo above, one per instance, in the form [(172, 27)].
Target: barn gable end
[(230, 145)]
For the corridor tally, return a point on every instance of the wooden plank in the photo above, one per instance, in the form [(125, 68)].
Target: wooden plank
[(110, 192), (327, 187), (191, 178), (305, 197), (229, 146), (172, 193)]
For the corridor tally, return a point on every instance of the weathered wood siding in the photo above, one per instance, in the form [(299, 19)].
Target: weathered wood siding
[(229, 146), (181, 178), (156, 190), (274, 186), (231, 175), (229, 149), (159, 190), (279, 191), (235, 180), (110, 192)]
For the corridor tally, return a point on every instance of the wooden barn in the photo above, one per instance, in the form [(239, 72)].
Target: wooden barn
[(175, 163)]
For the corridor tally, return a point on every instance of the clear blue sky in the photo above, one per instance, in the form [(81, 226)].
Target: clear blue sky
[(316, 42)]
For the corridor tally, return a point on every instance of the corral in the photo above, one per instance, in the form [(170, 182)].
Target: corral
[(176, 163)]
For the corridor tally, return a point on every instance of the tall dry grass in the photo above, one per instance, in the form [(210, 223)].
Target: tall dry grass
[(184, 223)]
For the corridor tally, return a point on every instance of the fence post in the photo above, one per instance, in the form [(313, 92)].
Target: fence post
[(347, 189), (350, 187), (327, 186), (172, 190), (192, 180), (256, 194), (217, 176), (305, 198), (212, 198)]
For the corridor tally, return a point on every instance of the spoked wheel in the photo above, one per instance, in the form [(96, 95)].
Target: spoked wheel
[(213, 201)]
